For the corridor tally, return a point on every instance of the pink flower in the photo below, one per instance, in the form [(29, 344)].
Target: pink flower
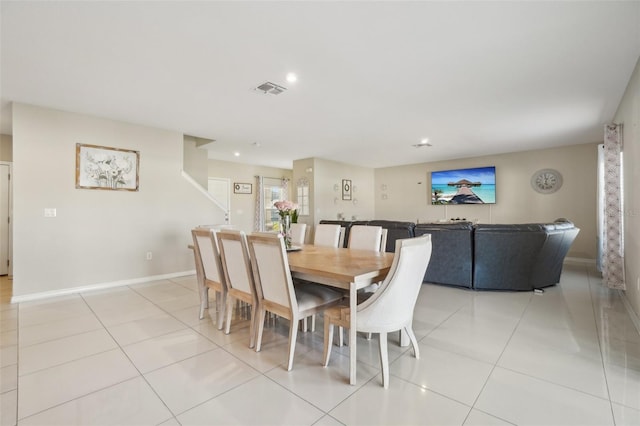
[(285, 206)]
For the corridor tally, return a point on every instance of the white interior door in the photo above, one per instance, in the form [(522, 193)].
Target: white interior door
[(4, 219), (220, 189)]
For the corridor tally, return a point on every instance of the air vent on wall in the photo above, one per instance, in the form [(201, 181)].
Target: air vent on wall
[(270, 88)]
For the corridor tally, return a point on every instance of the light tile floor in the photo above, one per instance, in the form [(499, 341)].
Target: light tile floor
[(139, 355)]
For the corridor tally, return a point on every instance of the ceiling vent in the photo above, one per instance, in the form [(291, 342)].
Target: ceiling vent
[(420, 145), (270, 88)]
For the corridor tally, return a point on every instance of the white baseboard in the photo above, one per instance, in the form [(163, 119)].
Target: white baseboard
[(101, 286), (580, 260)]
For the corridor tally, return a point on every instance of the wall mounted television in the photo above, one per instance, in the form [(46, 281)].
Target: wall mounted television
[(464, 186)]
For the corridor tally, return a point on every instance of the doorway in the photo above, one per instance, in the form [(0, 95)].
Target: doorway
[(220, 188), (5, 219)]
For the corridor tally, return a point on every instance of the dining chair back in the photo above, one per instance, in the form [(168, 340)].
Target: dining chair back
[(274, 285), (343, 232), (327, 235), (363, 237), (383, 240), (391, 307), (209, 271), (298, 233), (236, 264)]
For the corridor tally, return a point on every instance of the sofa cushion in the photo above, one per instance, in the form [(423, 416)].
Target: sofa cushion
[(395, 231), (452, 253), (505, 255)]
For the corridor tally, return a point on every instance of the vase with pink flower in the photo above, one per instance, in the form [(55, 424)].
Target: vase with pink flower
[(286, 209)]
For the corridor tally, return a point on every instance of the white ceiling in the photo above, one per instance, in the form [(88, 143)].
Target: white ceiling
[(476, 77)]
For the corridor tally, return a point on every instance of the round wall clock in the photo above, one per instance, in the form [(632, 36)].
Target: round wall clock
[(546, 181)]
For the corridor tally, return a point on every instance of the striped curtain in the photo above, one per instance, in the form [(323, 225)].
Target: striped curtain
[(258, 216), (613, 241)]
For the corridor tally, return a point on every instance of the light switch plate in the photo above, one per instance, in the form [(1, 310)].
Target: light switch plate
[(49, 212)]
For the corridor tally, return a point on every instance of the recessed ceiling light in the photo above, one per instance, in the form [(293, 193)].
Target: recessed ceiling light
[(292, 77), (237, 154)]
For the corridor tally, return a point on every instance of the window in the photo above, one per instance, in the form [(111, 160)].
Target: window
[(303, 197), (273, 191)]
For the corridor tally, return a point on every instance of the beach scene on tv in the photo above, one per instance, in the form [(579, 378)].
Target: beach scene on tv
[(464, 186)]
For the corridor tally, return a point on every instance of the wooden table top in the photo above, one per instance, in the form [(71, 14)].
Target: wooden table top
[(340, 266)]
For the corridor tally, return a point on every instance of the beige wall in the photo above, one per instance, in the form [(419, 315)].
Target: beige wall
[(403, 192), (6, 148), (242, 205), (195, 162), (325, 179), (98, 237), (629, 115), (327, 191)]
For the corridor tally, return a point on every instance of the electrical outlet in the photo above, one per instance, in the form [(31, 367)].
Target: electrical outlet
[(149, 255), (49, 212)]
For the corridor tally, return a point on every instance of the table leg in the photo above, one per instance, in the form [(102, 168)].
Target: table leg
[(353, 302)]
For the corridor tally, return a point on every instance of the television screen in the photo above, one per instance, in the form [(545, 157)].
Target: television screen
[(464, 186)]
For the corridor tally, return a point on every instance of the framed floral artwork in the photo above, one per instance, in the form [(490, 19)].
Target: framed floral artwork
[(101, 167)]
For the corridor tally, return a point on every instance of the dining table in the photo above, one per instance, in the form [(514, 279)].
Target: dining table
[(344, 268)]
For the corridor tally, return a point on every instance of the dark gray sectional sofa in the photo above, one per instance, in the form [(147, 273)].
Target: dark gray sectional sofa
[(486, 257)]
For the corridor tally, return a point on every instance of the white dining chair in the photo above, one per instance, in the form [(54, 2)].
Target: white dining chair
[(363, 237), (327, 235), (277, 293), (209, 272), (391, 307), (236, 264), (383, 240), (298, 233)]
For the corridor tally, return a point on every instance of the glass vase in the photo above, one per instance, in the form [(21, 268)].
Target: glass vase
[(285, 230)]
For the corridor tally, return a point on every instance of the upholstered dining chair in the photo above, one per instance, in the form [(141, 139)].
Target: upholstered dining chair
[(298, 232), (275, 287), (327, 235), (209, 271), (363, 237), (236, 264), (391, 307)]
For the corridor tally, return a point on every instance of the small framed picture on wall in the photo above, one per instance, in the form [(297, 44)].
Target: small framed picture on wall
[(346, 189), (242, 188)]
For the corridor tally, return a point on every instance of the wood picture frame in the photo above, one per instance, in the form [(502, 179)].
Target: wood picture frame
[(242, 188), (106, 168)]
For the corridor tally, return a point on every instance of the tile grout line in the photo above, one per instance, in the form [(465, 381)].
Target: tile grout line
[(495, 365), (599, 337)]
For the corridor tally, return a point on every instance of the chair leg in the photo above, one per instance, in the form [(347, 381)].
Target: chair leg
[(328, 341), (414, 342), (313, 323), (220, 302), (293, 335), (204, 300), (260, 323), (384, 360), (229, 312), (341, 336), (252, 329)]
